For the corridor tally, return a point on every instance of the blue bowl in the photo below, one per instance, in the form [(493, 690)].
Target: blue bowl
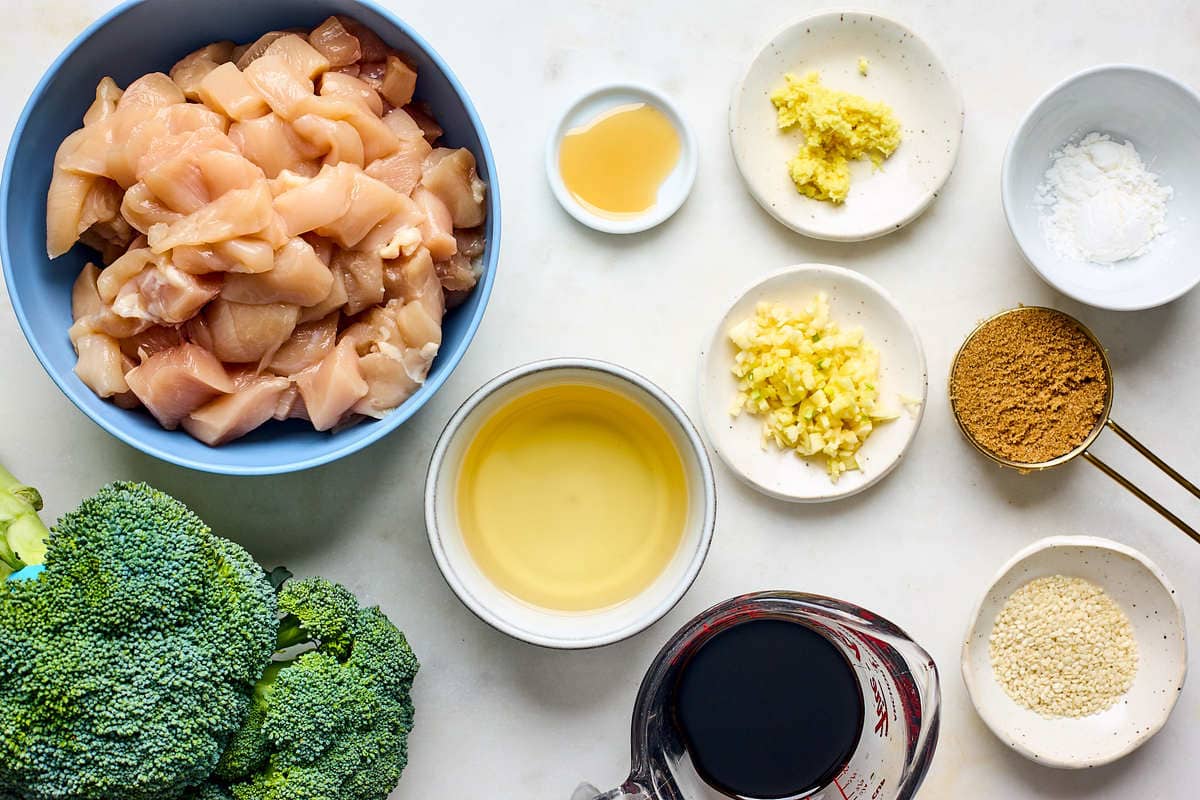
[(151, 35)]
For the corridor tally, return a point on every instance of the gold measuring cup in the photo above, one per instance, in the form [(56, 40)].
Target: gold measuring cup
[(1104, 421)]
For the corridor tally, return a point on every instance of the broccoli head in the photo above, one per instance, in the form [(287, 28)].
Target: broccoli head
[(331, 723), (128, 665)]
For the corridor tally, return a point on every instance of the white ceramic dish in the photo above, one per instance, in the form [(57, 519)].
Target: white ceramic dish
[(854, 300), (538, 625), (673, 191), (1161, 117), (904, 73), (1153, 608)]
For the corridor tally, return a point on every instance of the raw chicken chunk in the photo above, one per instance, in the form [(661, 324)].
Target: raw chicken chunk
[(242, 333), (189, 71), (173, 383), (450, 174), (101, 366), (334, 301), (85, 297), (243, 56), (299, 277), (227, 89), (339, 84), (153, 340), (332, 387), (402, 169), (336, 141), (283, 86), (437, 229), (237, 213), (399, 82), (242, 255), (273, 145), (108, 94), (163, 294), (425, 121), (152, 91), (340, 47), (371, 202), (372, 48), (300, 55), (308, 344), (224, 419), (362, 273), (318, 201)]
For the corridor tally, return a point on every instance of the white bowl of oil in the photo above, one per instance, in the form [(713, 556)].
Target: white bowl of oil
[(621, 159), (570, 503)]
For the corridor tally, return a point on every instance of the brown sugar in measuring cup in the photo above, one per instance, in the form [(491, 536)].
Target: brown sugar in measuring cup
[(1032, 388), (1030, 385)]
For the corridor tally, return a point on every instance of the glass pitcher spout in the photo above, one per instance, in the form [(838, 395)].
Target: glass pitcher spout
[(628, 791)]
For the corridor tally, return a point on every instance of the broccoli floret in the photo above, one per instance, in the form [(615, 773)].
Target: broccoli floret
[(333, 722), (128, 665), (209, 791)]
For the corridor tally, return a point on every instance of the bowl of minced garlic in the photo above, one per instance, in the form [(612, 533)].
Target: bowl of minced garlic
[(1077, 652)]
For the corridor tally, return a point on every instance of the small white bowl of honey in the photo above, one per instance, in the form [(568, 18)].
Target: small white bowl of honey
[(621, 159), (570, 503)]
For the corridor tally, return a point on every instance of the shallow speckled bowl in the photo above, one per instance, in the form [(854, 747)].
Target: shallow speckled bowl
[(855, 301), (1150, 602), (904, 72)]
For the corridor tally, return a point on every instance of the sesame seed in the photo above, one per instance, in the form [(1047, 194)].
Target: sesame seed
[(1063, 648)]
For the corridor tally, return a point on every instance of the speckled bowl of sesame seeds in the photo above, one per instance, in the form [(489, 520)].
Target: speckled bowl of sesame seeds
[(1077, 653)]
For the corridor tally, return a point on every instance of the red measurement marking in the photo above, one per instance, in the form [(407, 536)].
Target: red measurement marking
[(881, 721), (841, 790)]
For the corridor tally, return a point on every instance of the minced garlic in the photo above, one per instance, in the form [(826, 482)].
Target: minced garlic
[(1063, 648), (864, 65), (814, 385), (838, 128)]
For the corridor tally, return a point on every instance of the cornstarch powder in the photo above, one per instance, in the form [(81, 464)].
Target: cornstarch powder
[(1099, 203)]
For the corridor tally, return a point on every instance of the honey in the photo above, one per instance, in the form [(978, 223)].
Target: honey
[(615, 164)]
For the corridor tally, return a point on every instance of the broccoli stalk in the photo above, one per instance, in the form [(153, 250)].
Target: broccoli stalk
[(332, 722), (22, 534)]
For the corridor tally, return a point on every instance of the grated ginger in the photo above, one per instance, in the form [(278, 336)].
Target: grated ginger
[(838, 127), (815, 386)]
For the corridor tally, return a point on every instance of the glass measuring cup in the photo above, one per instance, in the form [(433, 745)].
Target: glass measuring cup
[(1104, 420), (899, 685)]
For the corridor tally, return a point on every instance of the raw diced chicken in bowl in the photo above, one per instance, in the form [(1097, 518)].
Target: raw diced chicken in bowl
[(278, 233)]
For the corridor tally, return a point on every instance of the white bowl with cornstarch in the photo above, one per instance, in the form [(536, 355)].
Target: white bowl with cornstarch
[(1101, 187), (1077, 653)]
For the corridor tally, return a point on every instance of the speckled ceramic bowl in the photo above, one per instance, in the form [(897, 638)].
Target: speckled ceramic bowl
[(1160, 116), (1150, 602), (903, 71)]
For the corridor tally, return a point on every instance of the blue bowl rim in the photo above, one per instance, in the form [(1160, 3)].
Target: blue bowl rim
[(381, 427)]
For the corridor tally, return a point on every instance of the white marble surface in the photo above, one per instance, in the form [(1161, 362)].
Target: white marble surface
[(498, 718)]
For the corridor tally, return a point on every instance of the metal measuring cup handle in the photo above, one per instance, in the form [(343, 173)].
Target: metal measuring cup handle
[(1137, 491), (1082, 450)]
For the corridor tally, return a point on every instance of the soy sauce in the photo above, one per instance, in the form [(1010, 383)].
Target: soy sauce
[(768, 708)]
